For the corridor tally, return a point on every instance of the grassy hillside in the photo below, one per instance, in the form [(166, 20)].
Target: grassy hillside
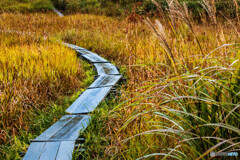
[(112, 7), (25, 5)]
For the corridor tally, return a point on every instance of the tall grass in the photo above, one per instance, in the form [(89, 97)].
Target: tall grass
[(36, 73), (30, 78), (193, 111), (179, 109), (182, 109)]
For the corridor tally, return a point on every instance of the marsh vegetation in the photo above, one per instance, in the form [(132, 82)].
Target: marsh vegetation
[(182, 96)]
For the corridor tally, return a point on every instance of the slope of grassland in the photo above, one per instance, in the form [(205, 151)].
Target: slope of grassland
[(182, 96), (25, 5), (112, 7)]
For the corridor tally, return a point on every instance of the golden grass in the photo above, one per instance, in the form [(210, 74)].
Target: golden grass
[(155, 85), (31, 77), (34, 72)]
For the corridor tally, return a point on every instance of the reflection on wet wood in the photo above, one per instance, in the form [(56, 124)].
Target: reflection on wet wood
[(88, 101), (66, 129)]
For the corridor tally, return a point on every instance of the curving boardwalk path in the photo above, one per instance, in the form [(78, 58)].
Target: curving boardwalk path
[(58, 141)]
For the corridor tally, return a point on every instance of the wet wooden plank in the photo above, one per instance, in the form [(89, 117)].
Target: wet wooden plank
[(105, 81), (66, 129), (82, 52), (88, 101), (50, 151), (61, 150), (94, 58), (105, 68), (60, 135), (34, 151), (73, 46), (54, 128), (65, 150), (90, 56)]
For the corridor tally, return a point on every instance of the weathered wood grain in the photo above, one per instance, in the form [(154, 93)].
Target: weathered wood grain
[(105, 68), (61, 150), (88, 101), (105, 81), (66, 129)]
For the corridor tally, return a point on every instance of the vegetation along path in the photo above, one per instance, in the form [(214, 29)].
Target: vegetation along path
[(58, 141), (181, 59)]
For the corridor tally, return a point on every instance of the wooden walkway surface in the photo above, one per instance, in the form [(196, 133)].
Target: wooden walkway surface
[(58, 141)]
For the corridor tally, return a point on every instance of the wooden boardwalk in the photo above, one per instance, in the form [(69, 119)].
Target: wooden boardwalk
[(58, 141)]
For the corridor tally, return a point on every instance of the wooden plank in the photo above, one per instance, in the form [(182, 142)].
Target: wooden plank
[(66, 129), (79, 127), (50, 151), (105, 81), (90, 56), (54, 128), (61, 150), (94, 58), (58, 12), (105, 68), (65, 150), (34, 151), (73, 46), (88, 101), (71, 130), (82, 52)]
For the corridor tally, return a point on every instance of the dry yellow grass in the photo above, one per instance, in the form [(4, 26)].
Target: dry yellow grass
[(155, 85), (34, 72), (31, 77)]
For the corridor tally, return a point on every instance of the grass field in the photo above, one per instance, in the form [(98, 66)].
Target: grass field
[(37, 75), (182, 96)]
